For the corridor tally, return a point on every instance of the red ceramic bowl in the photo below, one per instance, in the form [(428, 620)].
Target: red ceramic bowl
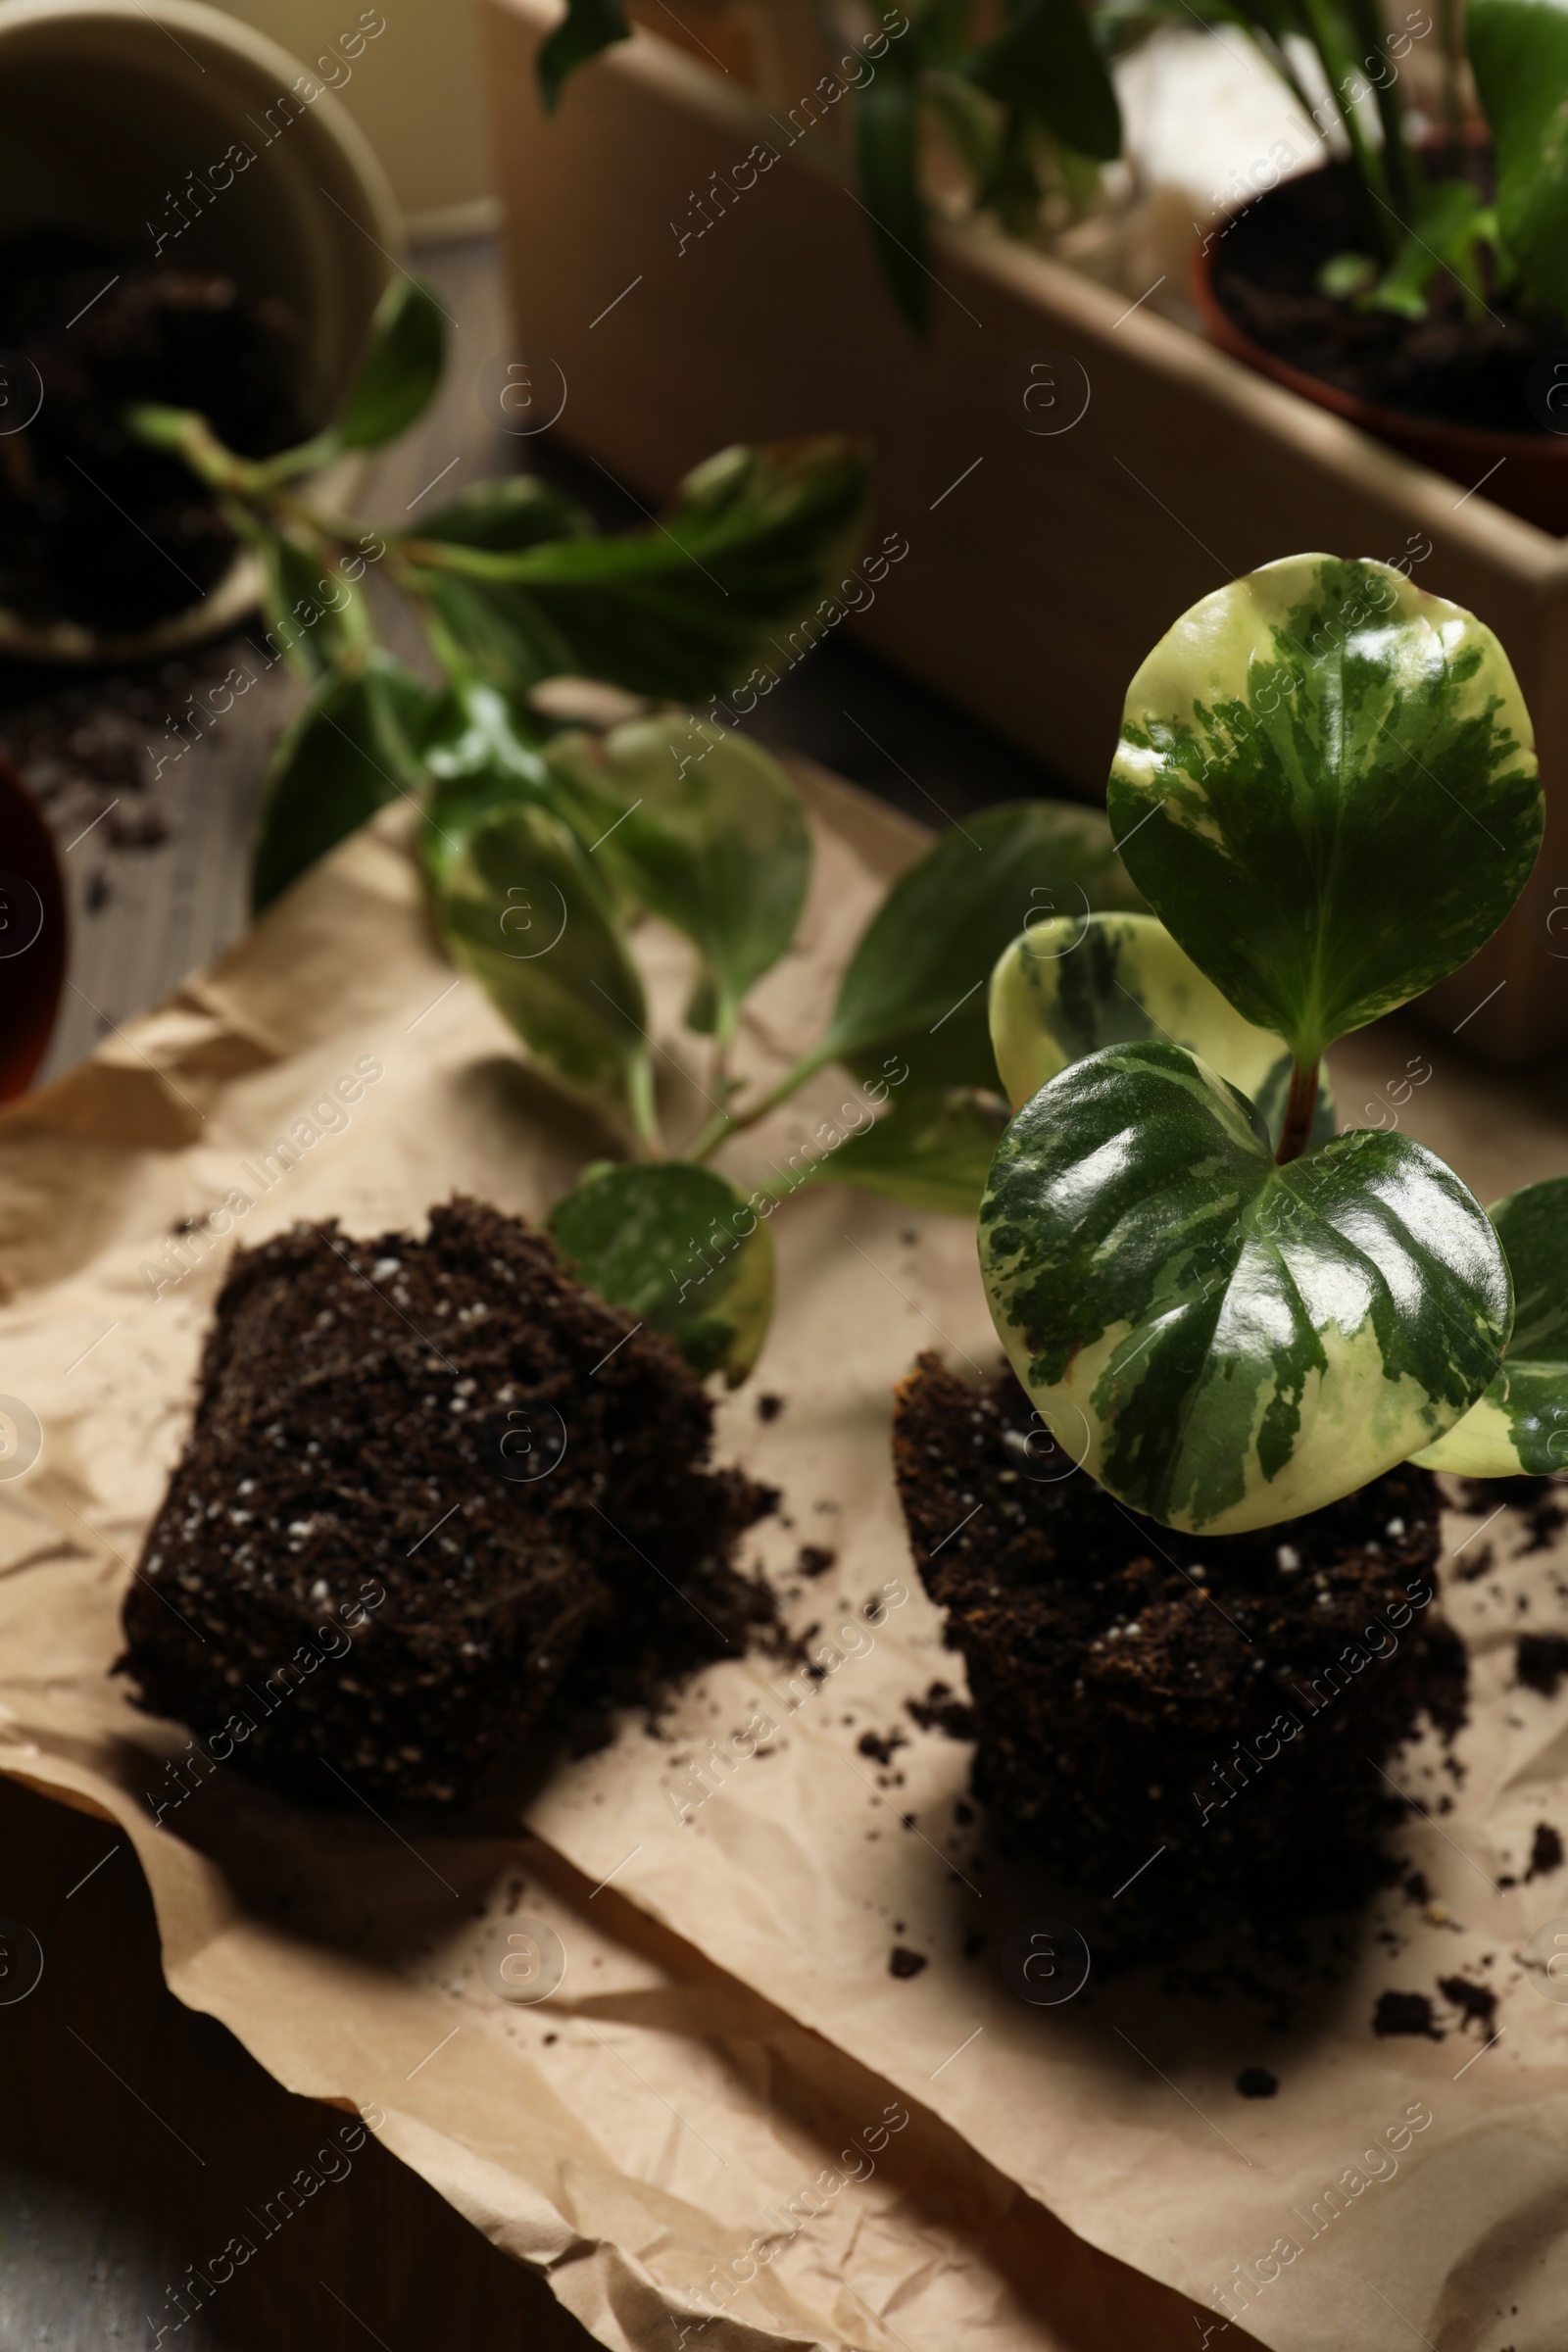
[(32, 935), (1526, 472)]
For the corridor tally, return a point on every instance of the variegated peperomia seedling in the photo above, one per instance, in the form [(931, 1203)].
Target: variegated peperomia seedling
[(1326, 791)]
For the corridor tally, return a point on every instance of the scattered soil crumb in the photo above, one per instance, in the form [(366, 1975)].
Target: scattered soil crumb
[(1540, 1660), (902, 1962), (1545, 1854), (1257, 2083), (943, 1710), (769, 1406), (881, 1744), (815, 1559), (1471, 2000), (1404, 2012)]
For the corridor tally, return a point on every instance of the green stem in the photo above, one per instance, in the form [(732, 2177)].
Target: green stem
[(1337, 68), (1299, 1110), (724, 1123), (640, 1101)]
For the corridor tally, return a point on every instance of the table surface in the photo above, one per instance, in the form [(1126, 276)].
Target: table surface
[(134, 2127)]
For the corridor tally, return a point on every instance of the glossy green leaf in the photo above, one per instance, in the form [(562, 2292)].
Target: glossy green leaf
[(1069, 985), (1044, 62), (1521, 1423), (481, 754), (1326, 789), (679, 1247), (520, 906), (489, 629), (397, 378), (887, 150), (350, 751), (915, 987), (702, 826), (1519, 54), (1222, 1342), (315, 617), (587, 28), (756, 540), (510, 512), (931, 1150)]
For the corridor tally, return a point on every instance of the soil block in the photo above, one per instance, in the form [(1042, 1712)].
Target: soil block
[(1222, 1702), (437, 1498)]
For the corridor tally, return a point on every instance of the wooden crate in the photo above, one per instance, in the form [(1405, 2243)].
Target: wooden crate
[(1041, 567)]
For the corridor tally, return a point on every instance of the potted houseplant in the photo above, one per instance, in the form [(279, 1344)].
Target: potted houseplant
[(192, 216), (1198, 1548), (1417, 288)]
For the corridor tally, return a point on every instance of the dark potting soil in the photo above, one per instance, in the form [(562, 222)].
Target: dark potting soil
[(1461, 369), (94, 527), (1215, 1707), (438, 1497)]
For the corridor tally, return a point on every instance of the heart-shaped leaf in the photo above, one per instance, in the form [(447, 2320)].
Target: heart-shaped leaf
[(932, 1150), (915, 986), (1519, 53), (702, 826), (587, 28), (1223, 1343), (1521, 1423), (1326, 789), (1068, 986), (350, 751), (401, 366), (520, 906), (678, 1246)]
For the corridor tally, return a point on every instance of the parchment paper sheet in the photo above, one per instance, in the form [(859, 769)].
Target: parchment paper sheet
[(695, 2085)]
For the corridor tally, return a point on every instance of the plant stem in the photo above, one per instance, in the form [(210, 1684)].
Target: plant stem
[(1300, 1109), (724, 1123)]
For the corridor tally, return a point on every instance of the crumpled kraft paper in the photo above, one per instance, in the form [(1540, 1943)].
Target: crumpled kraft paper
[(1391, 2189), (653, 2129)]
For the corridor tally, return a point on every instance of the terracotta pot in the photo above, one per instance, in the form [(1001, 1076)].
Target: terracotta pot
[(107, 109), (1526, 472), (32, 935)]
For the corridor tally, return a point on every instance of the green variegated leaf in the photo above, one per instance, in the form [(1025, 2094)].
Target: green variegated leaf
[(351, 750), (1066, 987), (915, 986), (520, 906), (678, 1246), (1521, 1423), (1326, 789), (1223, 1343), (704, 828), (932, 1150)]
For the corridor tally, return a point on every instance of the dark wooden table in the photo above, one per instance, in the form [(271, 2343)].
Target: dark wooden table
[(131, 2129)]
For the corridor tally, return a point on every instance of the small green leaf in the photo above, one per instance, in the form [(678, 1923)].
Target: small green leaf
[(520, 906), (489, 630), (1344, 275), (703, 828), (1222, 1342), (1519, 54), (915, 986), (313, 615), (398, 374), (756, 541), (483, 753), (1069, 985), (587, 28), (350, 751), (679, 1247), (1521, 1424), (1326, 789), (1443, 237), (510, 511), (1044, 62), (887, 148), (931, 1150)]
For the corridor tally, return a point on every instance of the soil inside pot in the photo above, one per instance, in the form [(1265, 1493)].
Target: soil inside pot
[(1217, 1708), (94, 527), (519, 1471), (1452, 365)]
